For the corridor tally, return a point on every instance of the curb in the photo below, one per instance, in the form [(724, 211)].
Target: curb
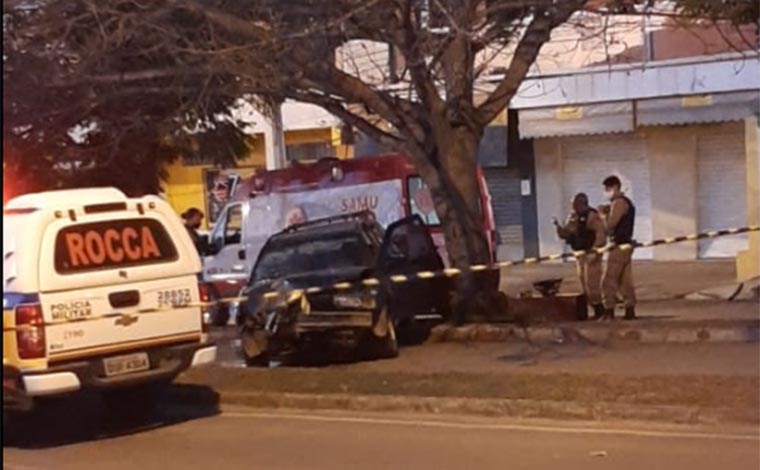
[(598, 333), (512, 408)]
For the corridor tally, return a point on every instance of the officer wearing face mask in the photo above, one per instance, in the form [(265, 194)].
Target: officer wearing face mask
[(193, 218), (620, 215)]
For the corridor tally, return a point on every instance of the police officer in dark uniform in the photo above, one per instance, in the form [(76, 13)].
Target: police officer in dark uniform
[(618, 276), (584, 230)]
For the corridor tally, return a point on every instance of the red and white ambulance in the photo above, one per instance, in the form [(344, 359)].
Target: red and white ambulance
[(268, 202)]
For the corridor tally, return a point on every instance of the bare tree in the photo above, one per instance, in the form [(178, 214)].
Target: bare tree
[(179, 62)]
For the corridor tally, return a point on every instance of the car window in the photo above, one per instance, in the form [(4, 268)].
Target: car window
[(112, 244), (228, 229), (421, 201), (284, 258), (410, 241)]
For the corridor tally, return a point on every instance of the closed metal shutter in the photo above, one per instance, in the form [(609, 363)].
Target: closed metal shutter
[(504, 186), (721, 190), (587, 160)]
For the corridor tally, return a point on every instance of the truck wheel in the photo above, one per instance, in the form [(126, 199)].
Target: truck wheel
[(384, 346), (254, 344)]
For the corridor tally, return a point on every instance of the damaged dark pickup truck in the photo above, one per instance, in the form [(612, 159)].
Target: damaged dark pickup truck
[(341, 249)]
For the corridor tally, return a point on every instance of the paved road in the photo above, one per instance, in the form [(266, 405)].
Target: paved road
[(278, 440)]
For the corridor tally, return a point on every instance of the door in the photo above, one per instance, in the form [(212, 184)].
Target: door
[(588, 160), (721, 190), (228, 261), (407, 249), (506, 202), (101, 265)]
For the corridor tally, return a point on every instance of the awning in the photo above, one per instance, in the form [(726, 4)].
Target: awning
[(698, 109), (602, 118)]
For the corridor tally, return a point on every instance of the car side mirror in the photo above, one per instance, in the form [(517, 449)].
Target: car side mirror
[(241, 255)]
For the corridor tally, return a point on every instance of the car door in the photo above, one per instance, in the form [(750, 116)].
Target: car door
[(408, 249), (229, 258)]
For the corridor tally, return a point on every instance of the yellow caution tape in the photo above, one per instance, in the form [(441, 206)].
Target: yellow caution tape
[(402, 278)]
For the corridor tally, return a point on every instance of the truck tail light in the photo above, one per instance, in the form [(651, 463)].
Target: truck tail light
[(204, 290), (30, 335)]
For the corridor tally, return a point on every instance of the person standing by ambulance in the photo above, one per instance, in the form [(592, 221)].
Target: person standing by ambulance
[(583, 231), (192, 219), (620, 216)]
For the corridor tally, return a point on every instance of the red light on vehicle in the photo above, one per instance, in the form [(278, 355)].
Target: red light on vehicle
[(337, 173), (30, 336), (205, 293)]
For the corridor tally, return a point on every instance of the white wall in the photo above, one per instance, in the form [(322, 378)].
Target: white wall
[(549, 193), (672, 154)]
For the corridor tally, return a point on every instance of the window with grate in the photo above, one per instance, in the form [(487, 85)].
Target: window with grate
[(309, 151)]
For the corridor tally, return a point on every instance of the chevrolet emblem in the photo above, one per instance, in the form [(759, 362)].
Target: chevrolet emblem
[(126, 320)]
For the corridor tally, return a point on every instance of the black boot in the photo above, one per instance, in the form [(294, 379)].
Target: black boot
[(598, 311), (630, 313), (609, 314)]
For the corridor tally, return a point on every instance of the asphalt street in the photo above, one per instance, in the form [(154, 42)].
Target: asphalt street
[(244, 439)]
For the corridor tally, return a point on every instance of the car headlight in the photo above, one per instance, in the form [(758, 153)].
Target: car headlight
[(364, 301)]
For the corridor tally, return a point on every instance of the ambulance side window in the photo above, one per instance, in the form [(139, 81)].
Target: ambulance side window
[(421, 201), (233, 226)]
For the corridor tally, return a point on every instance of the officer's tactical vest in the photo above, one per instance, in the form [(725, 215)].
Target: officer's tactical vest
[(584, 237), (624, 230)]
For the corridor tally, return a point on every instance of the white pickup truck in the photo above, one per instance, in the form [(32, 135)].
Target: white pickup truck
[(99, 291)]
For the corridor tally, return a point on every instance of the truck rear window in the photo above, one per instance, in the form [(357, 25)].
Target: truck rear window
[(112, 244)]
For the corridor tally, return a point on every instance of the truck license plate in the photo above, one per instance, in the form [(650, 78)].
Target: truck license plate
[(125, 364)]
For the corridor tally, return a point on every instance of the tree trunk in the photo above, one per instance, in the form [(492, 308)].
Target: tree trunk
[(456, 193)]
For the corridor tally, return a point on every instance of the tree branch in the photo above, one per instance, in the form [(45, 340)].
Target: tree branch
[(537, 33)]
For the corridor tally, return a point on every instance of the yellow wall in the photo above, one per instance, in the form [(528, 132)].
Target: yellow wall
[(184, 187)]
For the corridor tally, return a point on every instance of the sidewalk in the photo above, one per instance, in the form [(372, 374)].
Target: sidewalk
[(668, 321), (655, 280)]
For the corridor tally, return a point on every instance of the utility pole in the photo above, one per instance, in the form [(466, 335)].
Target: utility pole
[(274, 139)]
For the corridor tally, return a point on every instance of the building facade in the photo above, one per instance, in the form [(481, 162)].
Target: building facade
[(309, 132), (673, 112), (680, 135)]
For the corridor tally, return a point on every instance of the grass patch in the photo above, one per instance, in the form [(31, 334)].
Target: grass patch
[(704, 391)]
